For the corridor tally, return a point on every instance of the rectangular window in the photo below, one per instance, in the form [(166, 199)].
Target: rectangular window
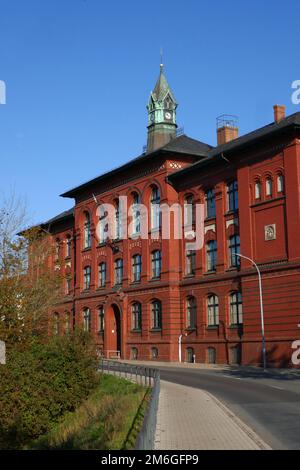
[(210, 203), (136, 268), (156, 315), (87, 277), (101, 320), (236, 309), (232, 195), (156, 264), (136, 316), (234, 248), (102, 274), (118, 271), (191, 262), (68, 285), (211, 255)]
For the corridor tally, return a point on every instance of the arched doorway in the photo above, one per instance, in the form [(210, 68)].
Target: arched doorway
[(113, 332)]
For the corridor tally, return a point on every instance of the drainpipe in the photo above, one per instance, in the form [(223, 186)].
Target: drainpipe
[(179, 347)]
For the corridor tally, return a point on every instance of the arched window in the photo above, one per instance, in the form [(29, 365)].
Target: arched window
[(87, 277), (211, 255), (234, 248), (87, 320), (280, 184), (136, 318), (136, 268), (156, 263), (190, 355), (257, 190), (101, 319), (154, 353), (211, 355), (134, 353), (236, 308), (155, 208), (87, 230), (212, 310), (269, 187), (156, 315), (102, 274), (68, 246), (118, 271), (56, 325), (136, 214), (191, 313)]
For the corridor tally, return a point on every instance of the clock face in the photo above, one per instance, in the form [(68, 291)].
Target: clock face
[(168, 115)]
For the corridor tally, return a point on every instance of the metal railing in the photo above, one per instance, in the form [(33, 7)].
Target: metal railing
[(144, 376)]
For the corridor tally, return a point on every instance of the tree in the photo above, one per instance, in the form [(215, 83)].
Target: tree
[(29, 285)]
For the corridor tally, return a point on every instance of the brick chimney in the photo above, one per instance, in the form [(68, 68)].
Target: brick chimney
[(279, 112), (227, 128)]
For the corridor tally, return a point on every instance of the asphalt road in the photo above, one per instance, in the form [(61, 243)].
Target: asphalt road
[(270, 407)]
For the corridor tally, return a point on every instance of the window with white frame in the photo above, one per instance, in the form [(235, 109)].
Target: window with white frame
[(232, 196), (212, 310), (156, 315), (257, 190), (136, 268), (118, 271), (191, 312), (101, 319), (280, 184), (136, 214), (236, 308), (156, 263), (190, 262), (210, 200), (102, 274), (234, 248), (87, 230), (136, 316), (87, 320), (87, 277), (155, 208), (211, 255), (68, 246), (269, 187)]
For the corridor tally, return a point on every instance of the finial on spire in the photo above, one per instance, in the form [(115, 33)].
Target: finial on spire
[(161, 59)]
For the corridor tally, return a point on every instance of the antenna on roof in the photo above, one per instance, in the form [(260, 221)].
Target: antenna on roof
[(161, 59)]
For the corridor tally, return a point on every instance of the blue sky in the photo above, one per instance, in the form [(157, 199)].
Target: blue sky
[(79, 72)]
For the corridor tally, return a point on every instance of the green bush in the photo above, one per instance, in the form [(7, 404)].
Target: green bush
[(39, 385)]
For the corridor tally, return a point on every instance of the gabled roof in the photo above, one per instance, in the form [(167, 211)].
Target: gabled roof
[(216, 154), (181, 145), (60, 217)]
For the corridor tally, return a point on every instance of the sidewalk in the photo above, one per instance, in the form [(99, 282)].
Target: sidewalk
[(191, 419)]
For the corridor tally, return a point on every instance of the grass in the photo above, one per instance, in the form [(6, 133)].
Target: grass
[(109, 419)]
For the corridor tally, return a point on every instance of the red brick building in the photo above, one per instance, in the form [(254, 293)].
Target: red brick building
[(142, 297)]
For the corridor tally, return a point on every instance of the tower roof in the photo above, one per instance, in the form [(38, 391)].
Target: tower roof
[(162, 88)]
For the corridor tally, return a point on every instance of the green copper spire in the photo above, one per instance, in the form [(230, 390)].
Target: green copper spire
[(161, 114)]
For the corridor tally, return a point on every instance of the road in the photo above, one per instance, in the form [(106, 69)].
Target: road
[(270, 406)]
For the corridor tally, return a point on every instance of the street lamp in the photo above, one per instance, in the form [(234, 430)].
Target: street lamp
[(261, 309)]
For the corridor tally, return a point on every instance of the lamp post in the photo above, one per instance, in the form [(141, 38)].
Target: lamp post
[(264, 355), (179, 347)]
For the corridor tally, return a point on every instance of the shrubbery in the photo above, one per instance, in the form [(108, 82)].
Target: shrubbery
[(41, 383)]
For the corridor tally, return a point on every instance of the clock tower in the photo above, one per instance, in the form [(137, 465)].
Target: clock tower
[(161, 114)]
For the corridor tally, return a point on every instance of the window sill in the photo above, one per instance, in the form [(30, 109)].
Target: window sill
[(212, 327), (136, 330), (153, 279), (209, 273), (210, 219), (154, 330), (190, 328), (88, 248), (188, 276), (134, 283), (232, 212), (235, 326)]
